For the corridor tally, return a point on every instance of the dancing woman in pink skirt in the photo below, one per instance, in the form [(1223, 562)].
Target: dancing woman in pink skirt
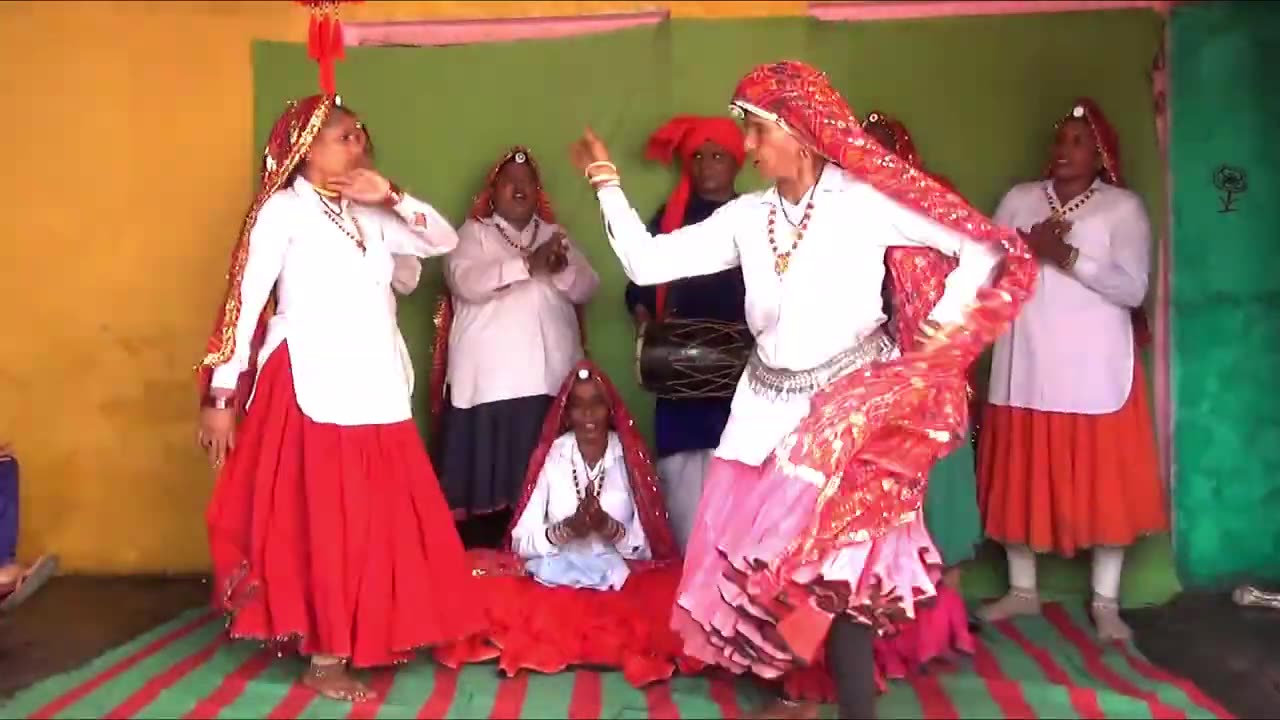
[(809, 538)]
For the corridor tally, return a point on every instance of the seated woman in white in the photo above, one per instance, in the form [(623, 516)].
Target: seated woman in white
[(590, 568), (580, 525)]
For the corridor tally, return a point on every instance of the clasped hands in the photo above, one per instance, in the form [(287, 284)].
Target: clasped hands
[(549, 258), (589, 519), (1046, 239)]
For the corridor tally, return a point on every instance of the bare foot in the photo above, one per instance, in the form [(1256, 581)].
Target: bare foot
[(336, 683), (781, 709), (1017, 602), (1106, 619)]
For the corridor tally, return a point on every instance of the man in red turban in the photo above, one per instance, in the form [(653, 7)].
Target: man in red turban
[(710, 153)]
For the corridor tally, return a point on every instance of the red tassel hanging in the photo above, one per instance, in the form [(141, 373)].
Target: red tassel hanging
[(322, 36), (313, 36), (336, 49)]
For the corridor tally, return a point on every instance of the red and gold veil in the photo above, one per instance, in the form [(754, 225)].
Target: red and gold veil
[(290, 140), (481, 208), (640, 470)]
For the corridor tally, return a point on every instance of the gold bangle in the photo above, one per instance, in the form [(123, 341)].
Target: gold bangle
[(586, 172)]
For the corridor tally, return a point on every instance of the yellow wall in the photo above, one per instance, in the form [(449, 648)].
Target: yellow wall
[(128, 126)]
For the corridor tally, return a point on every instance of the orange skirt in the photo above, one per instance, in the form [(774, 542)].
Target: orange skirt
[(1064, 482)]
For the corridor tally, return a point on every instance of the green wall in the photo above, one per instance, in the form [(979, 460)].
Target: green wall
[(1226, 340), (980, 96)]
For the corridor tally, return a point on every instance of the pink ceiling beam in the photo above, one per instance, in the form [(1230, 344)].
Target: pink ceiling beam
[(464, 32), (870, 10)]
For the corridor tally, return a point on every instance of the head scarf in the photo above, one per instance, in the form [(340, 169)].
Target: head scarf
[(680, 138), (482, 203), (481, 209), (640, 471), (1108, 144), (290, 140), (1108, 141), (871, 436)]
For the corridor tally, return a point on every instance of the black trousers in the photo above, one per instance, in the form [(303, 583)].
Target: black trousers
[(852, 664)]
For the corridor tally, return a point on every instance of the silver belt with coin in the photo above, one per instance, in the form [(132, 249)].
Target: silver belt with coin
[(777, 384)]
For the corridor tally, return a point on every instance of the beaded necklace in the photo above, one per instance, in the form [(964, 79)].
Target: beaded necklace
[(522, 249), (337, 217)]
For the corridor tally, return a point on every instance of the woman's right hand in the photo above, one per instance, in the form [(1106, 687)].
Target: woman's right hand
[(587, 150), (217, 433), (543, 258)]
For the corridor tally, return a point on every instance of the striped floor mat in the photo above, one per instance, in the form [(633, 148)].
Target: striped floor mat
[(1035, 667)]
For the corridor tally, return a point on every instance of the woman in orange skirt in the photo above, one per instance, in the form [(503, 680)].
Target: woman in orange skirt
[(327, 528), (1067, 456)]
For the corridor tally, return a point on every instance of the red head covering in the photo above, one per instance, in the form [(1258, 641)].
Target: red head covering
[(640, 471), (681, 137), (1103, 133), (871, 437), (1108, 144), (287, 145), (482, 204), (481, 208)]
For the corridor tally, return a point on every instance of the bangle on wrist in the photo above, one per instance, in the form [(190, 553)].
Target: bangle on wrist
[(394, 196), (586, 172), (218, 403)]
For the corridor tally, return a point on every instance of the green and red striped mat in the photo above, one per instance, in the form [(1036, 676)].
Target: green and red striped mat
[(1033, 667)]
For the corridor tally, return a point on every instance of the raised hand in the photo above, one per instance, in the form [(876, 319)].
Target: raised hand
[(587, 150)]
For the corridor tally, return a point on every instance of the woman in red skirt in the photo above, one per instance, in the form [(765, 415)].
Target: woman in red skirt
[(327, 529), (1067, 455)]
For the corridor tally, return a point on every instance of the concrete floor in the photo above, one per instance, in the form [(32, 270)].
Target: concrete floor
[(1231, 653)]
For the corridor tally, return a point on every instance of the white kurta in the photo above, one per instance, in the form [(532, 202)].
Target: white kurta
[(513, 335), (827, 301), (555, 498), (1071, 347), (333, 303)]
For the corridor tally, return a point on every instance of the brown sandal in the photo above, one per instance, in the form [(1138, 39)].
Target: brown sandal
[(15, 593)]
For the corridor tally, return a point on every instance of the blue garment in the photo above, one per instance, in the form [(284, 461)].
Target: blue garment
[(605, 570), (692, 423), (8, 510)]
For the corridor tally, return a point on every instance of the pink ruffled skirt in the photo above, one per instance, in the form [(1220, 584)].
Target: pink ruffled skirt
[(748, 516)]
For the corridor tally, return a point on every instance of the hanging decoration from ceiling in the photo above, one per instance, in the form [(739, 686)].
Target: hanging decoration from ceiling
[(324, 38)]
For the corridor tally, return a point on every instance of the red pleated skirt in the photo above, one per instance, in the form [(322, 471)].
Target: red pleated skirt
[(546, 629), (1066, 482), (335, 540)]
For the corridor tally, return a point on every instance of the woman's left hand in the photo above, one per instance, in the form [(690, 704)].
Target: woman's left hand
[(362, 185)]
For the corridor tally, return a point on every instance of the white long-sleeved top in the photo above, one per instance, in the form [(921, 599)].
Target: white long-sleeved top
[(555, 498), (334, 304), (1071, 347), (827, 301), (513, 335)]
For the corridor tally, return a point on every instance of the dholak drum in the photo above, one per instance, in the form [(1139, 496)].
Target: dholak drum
[(692, 358)]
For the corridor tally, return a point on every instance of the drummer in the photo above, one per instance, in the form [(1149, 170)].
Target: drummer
[(710, 153)]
